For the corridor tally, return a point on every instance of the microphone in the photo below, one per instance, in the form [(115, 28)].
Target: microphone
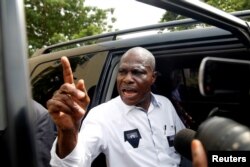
[(182, 142), (216, 134)]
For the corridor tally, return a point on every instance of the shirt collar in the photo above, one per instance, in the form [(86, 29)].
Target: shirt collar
[(154, 103)]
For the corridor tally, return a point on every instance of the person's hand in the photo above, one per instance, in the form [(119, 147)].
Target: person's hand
[(198, 154), (67, 107)]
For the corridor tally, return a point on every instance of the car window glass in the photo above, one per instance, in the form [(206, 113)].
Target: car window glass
[(112, 90), (48, 77), (191, 80)]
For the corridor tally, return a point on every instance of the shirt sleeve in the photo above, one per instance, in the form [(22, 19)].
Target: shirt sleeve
[(90, 144), (178, 122), (45, 134), (74, 159)]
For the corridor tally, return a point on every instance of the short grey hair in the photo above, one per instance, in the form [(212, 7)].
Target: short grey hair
[(144, 53)]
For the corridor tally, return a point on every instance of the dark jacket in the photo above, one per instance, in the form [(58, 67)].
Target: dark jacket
[(45, 134)]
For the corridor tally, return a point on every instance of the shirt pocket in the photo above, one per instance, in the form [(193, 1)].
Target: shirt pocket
[(164, 135), (132, 145), (170, 135)]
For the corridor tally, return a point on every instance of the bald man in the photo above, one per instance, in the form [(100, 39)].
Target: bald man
[(135, 129)]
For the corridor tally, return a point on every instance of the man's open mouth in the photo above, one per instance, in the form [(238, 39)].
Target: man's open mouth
[(129, 92)]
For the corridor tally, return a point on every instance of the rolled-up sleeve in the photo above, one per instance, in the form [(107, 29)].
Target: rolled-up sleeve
[(74, 159), (90, 144)]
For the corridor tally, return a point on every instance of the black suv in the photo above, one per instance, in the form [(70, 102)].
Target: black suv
[(178, 57)]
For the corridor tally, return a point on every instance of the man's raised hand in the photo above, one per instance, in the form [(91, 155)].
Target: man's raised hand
[(68, 105)]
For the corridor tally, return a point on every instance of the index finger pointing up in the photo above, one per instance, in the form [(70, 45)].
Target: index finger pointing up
[(67, 72)]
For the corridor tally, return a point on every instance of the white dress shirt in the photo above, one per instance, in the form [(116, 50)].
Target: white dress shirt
[(127, 135)]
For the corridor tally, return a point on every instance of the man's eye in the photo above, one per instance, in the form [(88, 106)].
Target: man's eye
[(137, 72), (121, 72)]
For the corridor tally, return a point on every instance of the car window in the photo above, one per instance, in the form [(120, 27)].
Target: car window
[(47, 76)]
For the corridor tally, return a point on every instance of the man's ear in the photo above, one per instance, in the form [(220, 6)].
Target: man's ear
[(155, 74)]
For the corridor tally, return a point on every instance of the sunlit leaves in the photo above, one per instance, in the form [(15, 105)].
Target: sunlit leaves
[(226, 5), (53, 21)]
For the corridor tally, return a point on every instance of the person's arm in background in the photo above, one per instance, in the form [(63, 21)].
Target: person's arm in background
[(45, 134), (198, 154), (67, 107)]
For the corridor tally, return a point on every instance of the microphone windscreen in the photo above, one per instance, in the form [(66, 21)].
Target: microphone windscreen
[(182, 142)]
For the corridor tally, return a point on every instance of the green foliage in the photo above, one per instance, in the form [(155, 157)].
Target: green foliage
[(169, 16), (53, 21), (230, 5), (226, 5)]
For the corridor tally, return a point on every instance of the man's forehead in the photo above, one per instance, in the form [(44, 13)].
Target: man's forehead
[(133, 65), (135, 59)]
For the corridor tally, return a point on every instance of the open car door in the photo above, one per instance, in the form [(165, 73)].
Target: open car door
[(207, 14), (17, 146)]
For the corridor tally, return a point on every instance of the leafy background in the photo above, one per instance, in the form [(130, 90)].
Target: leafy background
[(53, 21)]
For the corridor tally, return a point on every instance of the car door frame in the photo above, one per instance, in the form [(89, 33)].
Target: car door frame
[(16, 97)]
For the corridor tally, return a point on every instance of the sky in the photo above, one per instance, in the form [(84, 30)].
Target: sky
[(129, 13)]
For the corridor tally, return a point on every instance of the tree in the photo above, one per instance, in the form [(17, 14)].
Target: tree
[(230, 5), (226, 5), (169, 16), (53, 21)]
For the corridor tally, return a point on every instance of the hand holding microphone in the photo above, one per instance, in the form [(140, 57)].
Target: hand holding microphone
[(214, 134), (191, 148)]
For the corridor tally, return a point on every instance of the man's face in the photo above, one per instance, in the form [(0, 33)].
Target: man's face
[(134, 81)]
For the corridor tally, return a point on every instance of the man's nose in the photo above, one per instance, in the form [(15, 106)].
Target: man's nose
[(128, 78)]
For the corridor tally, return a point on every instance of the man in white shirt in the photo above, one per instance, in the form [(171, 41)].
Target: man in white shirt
[(135, 129)]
